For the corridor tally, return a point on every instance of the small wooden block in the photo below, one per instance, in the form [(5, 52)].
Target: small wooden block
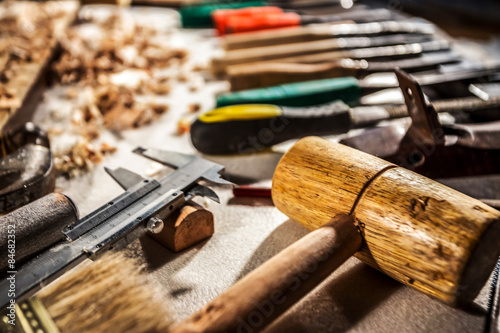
[(185, 227)]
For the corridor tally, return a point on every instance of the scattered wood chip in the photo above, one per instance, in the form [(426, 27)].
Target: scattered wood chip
[(81, 157), (195, 107), (183, 126)]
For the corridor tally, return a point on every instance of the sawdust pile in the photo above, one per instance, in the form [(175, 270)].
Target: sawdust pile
[(122, 47), (109, 66)]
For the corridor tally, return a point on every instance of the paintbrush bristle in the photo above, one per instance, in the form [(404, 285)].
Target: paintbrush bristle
[(108, 295)]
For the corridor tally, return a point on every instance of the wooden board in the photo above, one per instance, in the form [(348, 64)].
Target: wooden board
[(26, 79)]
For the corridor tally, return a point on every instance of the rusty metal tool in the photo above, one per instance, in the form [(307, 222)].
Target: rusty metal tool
[(468, 149), (143, 207), (26, 170)]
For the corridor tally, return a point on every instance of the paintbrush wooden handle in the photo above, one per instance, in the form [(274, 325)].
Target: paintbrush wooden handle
[(270, 74), (264, 294)]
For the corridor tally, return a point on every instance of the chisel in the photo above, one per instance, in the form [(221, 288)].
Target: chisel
[(219, 65), (234, 22), (249, 128), (317, 46), (347, 89), (324, 31), (270, 74), (199, 15)]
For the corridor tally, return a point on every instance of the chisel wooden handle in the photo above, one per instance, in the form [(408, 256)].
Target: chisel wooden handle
[(256, 54), (271, 74), (322, 31), (268, 291), (273, 52), (278, 36)]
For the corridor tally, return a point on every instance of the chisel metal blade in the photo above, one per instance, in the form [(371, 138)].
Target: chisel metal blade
[(125, 178), (213, 176)]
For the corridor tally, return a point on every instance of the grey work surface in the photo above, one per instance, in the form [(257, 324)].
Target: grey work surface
[(356, 298)]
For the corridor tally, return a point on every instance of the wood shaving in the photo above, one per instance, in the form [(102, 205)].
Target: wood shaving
[(81, 158), (195, 107), (24, 39), (183, 126), (8, 99), (125, 44), (96, 69)]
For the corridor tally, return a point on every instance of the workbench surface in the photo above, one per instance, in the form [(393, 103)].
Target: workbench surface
[(356, 298)]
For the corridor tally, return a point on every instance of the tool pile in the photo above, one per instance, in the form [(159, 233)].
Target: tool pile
[(405, 176)]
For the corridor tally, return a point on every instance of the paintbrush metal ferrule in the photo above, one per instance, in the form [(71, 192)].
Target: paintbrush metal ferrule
[(29, 316)]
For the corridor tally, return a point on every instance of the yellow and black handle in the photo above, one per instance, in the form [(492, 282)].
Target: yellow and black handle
[(244, 129)]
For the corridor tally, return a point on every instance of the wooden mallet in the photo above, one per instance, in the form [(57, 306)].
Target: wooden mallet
[(415, 230)]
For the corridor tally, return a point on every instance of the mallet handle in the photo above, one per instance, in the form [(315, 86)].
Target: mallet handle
[(264, 294)]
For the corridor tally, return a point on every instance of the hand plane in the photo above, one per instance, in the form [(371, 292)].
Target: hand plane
[(143, 207)]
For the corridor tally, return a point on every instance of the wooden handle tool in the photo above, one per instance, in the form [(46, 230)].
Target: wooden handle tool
[(323, 31), (265, 74), (278, 36), (257, 54), (393, 51), (415, 230)]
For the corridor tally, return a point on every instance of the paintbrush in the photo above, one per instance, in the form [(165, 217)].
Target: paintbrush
[(109, 295)]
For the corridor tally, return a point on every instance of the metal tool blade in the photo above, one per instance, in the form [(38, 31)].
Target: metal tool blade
[(213, 176), (431, 79), (169, 158), (419, 63), (200, 190), (177, 160), (485, 91), (389, 80), (375, 28), (125, 178)]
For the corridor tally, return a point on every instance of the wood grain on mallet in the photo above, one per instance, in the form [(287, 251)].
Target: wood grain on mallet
[(417, 231)]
